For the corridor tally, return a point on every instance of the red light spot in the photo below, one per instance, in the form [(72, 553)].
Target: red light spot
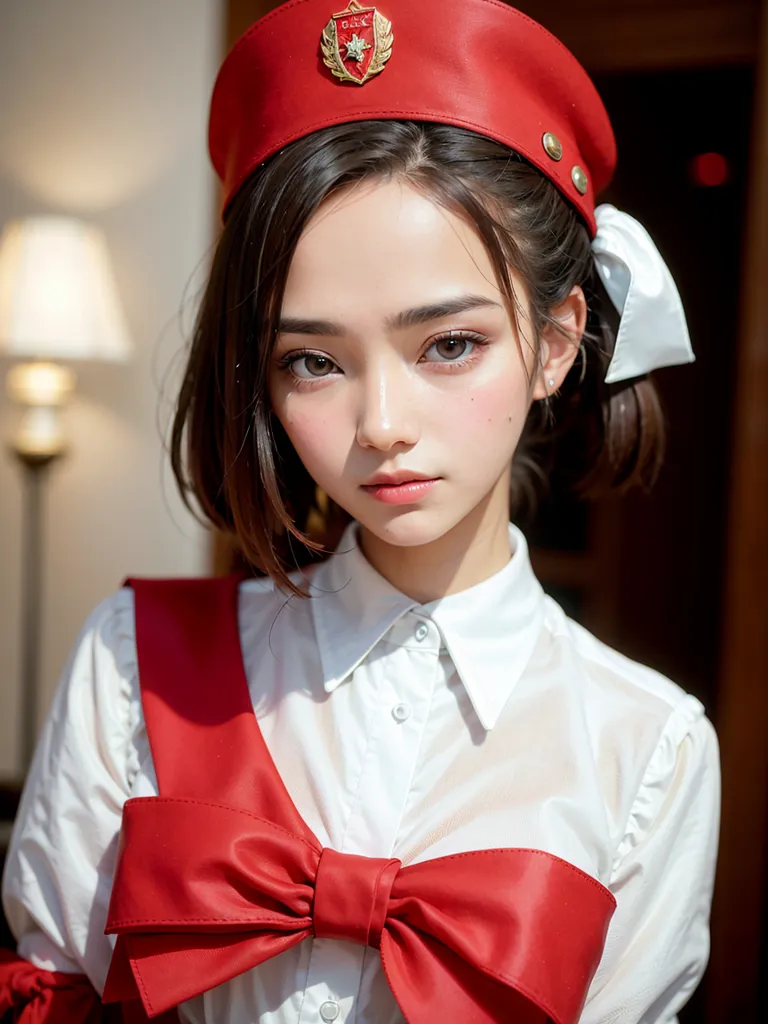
[(708, 170)]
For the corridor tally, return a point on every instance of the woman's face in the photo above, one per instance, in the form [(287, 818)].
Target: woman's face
[(396, 357)]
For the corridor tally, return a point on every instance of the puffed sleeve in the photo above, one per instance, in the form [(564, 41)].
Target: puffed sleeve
[(662, 878), (58, 875)]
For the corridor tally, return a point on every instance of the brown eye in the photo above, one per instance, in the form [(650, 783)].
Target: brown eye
[(310, 365), (452, 348), (318, 366)]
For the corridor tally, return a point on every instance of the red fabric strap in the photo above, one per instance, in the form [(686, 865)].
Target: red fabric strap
[(220, 873), (35, 995), (205, 740)]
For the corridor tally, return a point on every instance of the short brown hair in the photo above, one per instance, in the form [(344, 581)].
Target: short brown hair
[(230, 453)]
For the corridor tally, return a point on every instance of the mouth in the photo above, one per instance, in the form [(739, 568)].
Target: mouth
[(401, 476), (408, 489)]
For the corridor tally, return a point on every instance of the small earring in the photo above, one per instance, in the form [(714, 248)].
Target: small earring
[(551, 382)]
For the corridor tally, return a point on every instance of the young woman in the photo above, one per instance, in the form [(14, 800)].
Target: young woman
[(393, 781)]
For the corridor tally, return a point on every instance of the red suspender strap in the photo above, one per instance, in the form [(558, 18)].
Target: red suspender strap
[(205, 741)]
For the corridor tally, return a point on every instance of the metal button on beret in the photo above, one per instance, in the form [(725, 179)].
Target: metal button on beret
[(477, 64), (552, 146), (580, 179)]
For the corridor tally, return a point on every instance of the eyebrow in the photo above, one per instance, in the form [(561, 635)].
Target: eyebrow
[(398, 322)]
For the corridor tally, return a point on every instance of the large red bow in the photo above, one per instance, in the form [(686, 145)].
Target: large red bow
[(204, 892)]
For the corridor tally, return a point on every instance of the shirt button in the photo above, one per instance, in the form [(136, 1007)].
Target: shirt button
[(422, 631), (401, 712), (329, 1011)]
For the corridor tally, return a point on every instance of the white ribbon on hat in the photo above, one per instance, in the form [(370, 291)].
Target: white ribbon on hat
[(653, 332)]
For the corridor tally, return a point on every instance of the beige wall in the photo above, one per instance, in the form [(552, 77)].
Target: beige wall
[(103, 114)]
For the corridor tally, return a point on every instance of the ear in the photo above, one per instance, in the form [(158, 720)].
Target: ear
[(560, 345)]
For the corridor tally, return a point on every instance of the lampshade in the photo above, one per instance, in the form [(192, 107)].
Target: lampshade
[(58, 298)]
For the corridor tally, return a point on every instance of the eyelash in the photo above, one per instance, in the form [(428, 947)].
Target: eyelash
[(287, 361)]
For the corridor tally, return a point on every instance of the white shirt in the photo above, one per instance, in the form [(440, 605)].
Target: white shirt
[(484, 719)]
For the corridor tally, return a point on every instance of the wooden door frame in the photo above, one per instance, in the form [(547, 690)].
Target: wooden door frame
[(738, 930), (240, 14)]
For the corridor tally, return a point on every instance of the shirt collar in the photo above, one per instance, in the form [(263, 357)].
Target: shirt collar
[(489, 630)]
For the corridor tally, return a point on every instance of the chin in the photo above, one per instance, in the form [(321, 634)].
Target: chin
[(409, 529)]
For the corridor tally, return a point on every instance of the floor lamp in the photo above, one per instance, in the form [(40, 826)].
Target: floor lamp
[(58, 301)]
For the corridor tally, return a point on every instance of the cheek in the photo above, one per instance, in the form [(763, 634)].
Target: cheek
[(487, 420), (321, 440)]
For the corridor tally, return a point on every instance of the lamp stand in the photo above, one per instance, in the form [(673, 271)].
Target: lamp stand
[(35, 470)]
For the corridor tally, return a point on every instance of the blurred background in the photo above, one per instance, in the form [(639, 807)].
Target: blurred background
[(104, 119)]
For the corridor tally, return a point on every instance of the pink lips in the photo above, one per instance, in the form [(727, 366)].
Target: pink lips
[(405, 493)]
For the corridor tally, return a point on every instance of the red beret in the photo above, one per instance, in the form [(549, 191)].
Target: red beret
[(478, 64)]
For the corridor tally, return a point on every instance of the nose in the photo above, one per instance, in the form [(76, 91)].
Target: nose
[(388, 413)]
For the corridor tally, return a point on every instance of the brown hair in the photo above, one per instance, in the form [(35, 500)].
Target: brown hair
[(230, 453)]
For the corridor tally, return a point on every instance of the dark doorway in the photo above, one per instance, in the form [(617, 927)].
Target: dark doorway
[(645, 572)]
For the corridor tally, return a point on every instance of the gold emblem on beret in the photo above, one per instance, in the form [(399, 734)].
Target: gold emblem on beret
[(357, 43)]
